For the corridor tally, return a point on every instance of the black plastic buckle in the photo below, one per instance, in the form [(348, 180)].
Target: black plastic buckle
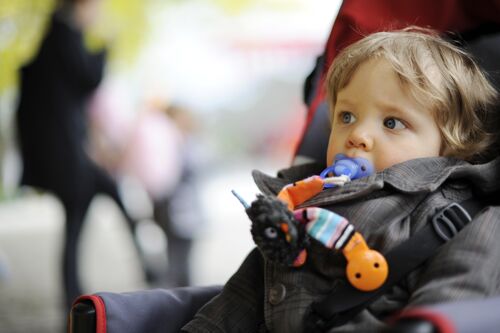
[(450, 220)]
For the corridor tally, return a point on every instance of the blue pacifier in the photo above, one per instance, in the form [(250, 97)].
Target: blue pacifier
[(354, 168)]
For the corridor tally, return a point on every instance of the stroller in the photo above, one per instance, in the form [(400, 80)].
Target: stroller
[(168, 310)]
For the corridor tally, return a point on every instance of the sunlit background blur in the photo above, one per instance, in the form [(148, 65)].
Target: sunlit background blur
[(237, 65)]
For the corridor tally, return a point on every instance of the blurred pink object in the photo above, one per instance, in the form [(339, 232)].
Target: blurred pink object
[(144, 144), (154, 153)]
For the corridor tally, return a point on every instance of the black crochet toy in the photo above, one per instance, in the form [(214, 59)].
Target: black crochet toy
[(278, 235)]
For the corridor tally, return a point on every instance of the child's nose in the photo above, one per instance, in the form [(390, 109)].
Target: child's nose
[(360, 139)]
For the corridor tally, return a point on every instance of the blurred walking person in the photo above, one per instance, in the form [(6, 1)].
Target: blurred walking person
[(51, 120), (163, 156), (177, 211)]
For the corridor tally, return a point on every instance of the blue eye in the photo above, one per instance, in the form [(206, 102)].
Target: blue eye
[(393, 123), (271, 232), (347, 117)]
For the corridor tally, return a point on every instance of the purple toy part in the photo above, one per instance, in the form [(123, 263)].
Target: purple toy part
[(354, 168)]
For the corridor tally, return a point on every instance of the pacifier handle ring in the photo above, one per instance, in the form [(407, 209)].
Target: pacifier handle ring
[(324, 174)]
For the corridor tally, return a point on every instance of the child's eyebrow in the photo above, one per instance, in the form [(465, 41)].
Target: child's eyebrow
[(393, 109), (344, 101)]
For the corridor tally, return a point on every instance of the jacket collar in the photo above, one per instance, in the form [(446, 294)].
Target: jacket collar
[(421, 175)]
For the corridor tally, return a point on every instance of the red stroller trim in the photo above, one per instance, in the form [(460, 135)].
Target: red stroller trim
[(440, 321), (100, 309)]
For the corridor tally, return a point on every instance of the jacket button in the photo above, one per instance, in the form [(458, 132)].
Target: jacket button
[(277, 294)]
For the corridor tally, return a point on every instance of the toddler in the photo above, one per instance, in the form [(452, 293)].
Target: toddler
[(413, 105)]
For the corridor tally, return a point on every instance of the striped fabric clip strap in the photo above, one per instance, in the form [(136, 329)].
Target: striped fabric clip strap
[(331, 229)]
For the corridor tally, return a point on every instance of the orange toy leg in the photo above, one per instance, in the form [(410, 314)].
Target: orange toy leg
[(301, 191)]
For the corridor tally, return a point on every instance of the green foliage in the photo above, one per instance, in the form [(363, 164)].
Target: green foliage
[(237, 6), (23, 24), (122, 28)]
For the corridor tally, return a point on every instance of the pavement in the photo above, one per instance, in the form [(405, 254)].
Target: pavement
[(30, 248)]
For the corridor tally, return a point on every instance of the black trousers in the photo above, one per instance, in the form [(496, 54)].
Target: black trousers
[(76, 204), (178, 246)]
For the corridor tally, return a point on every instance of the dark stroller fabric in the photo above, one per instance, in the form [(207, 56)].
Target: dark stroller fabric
[(152, 311), (167, 311)]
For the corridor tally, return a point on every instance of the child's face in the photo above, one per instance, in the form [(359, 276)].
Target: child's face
[(376, 119)]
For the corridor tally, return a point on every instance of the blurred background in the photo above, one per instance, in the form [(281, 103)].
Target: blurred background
[(214, 86)]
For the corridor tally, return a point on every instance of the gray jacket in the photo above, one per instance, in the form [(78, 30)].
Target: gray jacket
[(386, 208)]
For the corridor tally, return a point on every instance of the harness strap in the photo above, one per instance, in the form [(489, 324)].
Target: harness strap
[(346, 301)]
